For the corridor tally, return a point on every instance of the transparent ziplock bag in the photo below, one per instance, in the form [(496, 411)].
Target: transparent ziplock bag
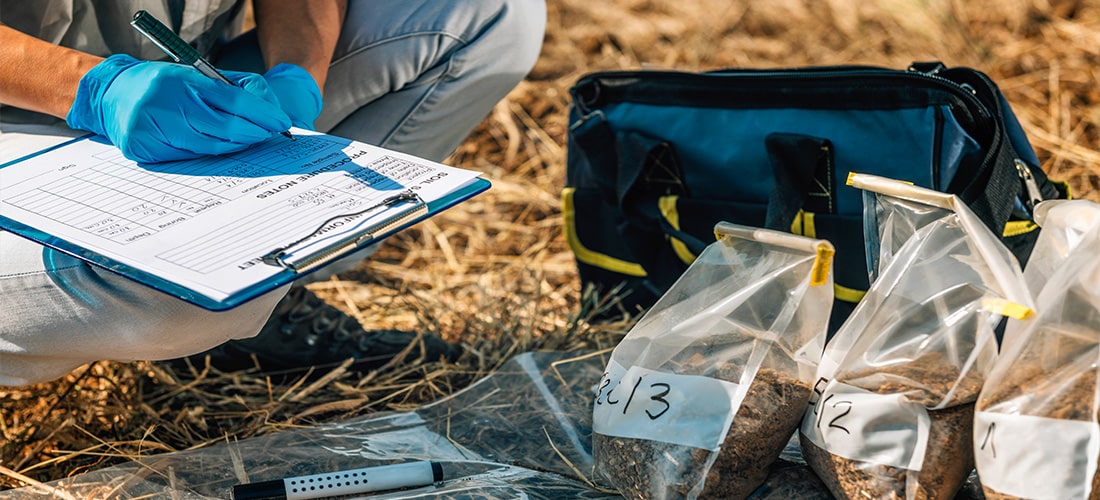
[(1036, 423), (892, 410), (1065, 223), (704, 392), (521, 432)]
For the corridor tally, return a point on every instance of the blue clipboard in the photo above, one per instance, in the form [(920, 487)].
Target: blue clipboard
[(403, 211)]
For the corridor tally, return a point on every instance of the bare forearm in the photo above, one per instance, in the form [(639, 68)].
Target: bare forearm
[(40, 76), (300, 32)]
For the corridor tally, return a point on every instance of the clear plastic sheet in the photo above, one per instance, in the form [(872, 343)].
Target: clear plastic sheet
[(1065, 224), (701, 395), (1036, 427), (522, 432), (892, 411)]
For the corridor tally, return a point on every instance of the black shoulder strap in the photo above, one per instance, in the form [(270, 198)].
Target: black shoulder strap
[(992, 190)]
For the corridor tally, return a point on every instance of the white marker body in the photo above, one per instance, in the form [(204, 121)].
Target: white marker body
[(385, 477)]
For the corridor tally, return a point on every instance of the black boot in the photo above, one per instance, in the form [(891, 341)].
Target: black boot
[(305, 331)]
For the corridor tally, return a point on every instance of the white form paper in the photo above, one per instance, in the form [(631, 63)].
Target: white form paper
[(204, 223)]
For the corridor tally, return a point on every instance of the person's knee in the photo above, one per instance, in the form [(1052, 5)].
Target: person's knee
[(511, 39), (162, 334), (98, 316), (498, 52), (185, 329), (521, 25), (149, 325)]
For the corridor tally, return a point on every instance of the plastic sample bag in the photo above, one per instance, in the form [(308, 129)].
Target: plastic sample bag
[(521, 432), (703, 393), (1066, 223), (1036, 427), (892, 410)]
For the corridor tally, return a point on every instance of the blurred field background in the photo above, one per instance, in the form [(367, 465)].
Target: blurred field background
[(495, 273)]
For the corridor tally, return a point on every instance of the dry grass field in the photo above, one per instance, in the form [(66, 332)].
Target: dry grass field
[(495, 273)]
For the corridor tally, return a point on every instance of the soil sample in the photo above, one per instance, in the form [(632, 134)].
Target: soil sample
[(772, 409), (947, 463), (1068, 400), (949, 454)]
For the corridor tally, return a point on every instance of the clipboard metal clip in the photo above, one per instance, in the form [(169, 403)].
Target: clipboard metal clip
[(283, 256)]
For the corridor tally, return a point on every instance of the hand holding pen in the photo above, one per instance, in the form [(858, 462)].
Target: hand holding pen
[(182, 52), (292, 86), (161, 111)]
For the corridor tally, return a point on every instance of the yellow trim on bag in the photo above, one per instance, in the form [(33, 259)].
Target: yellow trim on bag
[(592, 258), (847, 294), (1065, 187), (803, 224), (667, 206), (1018, 227), (1007, 308)]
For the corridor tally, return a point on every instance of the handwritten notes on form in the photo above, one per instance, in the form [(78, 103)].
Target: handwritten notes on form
[(206, 223)]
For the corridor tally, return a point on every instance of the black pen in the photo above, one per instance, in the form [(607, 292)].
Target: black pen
[(348, 482), (179, 50)]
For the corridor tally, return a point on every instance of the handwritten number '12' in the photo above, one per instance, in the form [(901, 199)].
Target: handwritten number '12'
[(833, 422)]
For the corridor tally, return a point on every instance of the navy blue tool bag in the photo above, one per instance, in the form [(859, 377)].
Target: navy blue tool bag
[(657, 158)]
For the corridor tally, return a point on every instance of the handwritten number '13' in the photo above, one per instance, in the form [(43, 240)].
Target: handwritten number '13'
[(656, 392)]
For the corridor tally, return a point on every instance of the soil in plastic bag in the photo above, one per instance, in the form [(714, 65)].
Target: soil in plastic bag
[(772, 408), (949, 454), (1073, 404)]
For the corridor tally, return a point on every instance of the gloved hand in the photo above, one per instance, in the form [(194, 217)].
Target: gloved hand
[(160, 111), (297, 93)]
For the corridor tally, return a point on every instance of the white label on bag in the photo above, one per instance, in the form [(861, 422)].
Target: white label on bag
[(687, 410), (1036, 457), (883, 429)]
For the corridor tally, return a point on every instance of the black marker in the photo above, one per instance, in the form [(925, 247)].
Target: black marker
[(348, 482)]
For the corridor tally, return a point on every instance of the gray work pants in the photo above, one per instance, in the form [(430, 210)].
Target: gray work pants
[(410, 75)]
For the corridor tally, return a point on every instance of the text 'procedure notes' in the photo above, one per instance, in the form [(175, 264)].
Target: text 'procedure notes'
[(205, 223)]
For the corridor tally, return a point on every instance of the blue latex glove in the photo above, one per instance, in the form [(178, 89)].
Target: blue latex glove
[(297, 93), (160, 111)]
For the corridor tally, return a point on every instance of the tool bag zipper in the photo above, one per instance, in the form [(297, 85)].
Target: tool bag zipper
[(810, 87), (793, 87)]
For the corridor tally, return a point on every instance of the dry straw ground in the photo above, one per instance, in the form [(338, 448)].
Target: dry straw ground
[(495, 273)]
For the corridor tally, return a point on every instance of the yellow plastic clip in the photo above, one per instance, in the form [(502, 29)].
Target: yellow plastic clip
[(1007, 308), (819, 275)]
